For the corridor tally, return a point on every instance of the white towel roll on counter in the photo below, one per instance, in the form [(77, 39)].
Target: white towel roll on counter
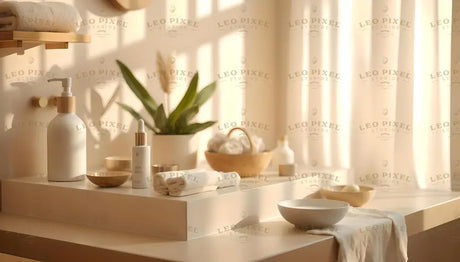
[(159, 179), (45, 17), (187, 182)]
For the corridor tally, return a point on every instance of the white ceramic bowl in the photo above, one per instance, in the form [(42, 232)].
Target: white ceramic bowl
[(313, 213)]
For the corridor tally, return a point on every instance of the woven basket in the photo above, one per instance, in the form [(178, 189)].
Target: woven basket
[(246, 164)]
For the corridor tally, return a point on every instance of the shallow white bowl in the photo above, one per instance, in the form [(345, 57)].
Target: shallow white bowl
[(313, 213)]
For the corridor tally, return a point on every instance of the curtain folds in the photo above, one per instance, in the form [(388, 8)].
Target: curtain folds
[(369, 89)]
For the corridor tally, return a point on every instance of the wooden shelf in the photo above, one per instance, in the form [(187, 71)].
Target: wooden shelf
[(18, 41)]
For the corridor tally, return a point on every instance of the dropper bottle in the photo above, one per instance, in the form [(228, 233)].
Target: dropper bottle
[(140, 158)]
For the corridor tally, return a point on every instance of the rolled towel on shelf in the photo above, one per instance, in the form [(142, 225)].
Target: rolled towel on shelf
[(44, 17), (201, 180), (187, 182), (232, 146), (159, 179), (216, 141), (7, 23), (228, 179), (192, 191), (256, 140)]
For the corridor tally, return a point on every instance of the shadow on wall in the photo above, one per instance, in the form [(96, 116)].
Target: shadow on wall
[(23, 148), (24, 142)]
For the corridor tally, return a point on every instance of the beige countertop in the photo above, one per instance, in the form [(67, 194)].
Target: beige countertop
[(271, 240)]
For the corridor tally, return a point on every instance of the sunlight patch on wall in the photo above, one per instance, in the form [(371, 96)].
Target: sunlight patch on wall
[(444, 57), (203, 8), (137, 32), (104, 36), (305, 94), (176, 10), (230, 80), (205, 67), (227, 4), (7, 121), (344, 66), (420, 143), (181, 61)]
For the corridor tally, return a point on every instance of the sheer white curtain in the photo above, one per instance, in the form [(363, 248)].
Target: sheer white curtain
[(369, 89)]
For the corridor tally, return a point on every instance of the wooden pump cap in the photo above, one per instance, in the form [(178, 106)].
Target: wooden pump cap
[(65, 104), (140, 136), (139, 139)]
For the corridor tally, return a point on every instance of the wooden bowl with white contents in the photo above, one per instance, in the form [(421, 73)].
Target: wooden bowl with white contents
[(349, 194), (246, 164)]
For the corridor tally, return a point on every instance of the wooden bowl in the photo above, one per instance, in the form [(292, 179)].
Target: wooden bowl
[(355, 199), (108, 178), (118, 163), (246, 165)]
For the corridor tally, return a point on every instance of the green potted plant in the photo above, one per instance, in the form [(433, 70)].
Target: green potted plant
[(172, 141)]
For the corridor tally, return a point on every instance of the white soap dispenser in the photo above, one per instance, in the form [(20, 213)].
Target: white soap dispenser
[(140, 158), (282, 154), (66, 139)]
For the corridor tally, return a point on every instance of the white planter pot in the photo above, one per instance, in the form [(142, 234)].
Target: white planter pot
[(175, 149)]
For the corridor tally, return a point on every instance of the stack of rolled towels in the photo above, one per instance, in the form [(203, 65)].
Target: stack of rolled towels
[(43, 16), (221, 143), (193, 181)]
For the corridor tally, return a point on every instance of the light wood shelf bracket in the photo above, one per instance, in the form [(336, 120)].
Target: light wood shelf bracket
[(18, 41)]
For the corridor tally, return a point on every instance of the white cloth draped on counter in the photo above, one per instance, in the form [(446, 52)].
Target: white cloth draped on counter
[(187, 182), (46, 17), (369, 235)]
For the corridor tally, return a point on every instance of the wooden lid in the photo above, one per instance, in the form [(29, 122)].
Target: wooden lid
[(65, 104)]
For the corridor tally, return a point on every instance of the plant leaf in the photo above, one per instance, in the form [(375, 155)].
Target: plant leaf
[(137, 116), (161, 122), (185, 102), (205, 94), (147, 101), (196, 127), (186, 116)]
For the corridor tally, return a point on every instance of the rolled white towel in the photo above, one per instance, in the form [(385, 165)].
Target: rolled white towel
[(204, 181), (192, 191), (245, 143), (187, 182), (7, 23), (258, 143), (201, 181), (160, 179), (228, 179), (232, 146), (216, 141), (31, 16), (256, 140)]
